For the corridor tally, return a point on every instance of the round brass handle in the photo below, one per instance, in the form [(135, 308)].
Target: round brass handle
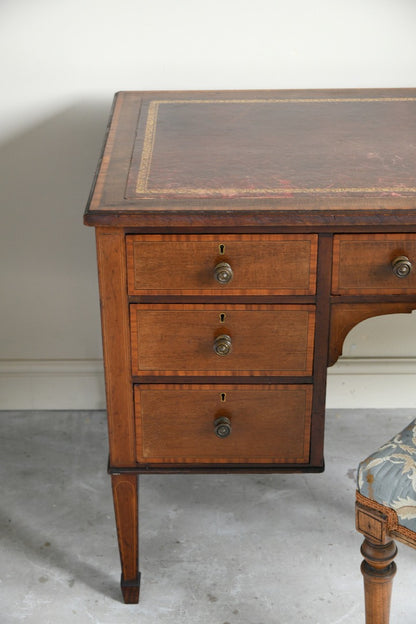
[(401, 266), (222, 344), (223, 273), (222, 426)]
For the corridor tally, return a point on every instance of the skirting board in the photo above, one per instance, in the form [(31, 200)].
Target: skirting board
[(52, 384), (79, 384)]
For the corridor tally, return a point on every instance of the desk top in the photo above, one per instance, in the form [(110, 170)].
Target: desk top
[(268, 158)]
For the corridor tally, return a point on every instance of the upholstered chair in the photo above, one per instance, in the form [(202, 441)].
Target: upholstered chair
[(386, 509)]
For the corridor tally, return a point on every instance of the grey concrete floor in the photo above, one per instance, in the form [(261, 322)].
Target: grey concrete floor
[(215, 549)]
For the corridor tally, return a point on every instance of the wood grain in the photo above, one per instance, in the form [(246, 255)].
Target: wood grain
[(344, 316), (362, 264), (116, 345), (178, 339), (379, 550), (321, 349), (125, 498), (378, 570), (270, 424), (184, 265), (289, 188)]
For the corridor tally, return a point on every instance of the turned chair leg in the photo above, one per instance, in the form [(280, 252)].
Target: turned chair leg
[(378, 569)]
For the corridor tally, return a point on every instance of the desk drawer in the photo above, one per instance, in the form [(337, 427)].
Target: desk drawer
[(366, 264), (191, 264), (198, 339), (263, 424)]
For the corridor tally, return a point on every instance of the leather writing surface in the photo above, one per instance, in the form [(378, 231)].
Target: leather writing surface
[(229, 148), (264, 159)]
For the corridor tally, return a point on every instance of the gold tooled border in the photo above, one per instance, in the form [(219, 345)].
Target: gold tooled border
[(149, 141)]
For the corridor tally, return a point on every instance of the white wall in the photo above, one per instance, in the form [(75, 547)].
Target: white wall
[(61, 62)]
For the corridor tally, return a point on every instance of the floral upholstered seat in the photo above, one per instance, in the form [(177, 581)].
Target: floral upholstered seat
[(388, 476)]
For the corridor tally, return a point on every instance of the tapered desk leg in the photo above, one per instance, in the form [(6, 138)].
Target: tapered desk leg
[(125, 496)]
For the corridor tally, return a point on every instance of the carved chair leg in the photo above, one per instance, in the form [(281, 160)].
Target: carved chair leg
[(125, 497), (378, 569)]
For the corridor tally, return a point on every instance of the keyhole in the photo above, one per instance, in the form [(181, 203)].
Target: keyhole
[(222, 249), (222, 317), (223, 397)]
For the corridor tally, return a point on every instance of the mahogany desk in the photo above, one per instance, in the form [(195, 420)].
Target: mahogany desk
[(240, 236)]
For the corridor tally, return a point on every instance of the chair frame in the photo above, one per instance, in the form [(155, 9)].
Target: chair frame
[(379, 525)]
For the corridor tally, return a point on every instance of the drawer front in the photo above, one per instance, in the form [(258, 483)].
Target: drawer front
[(265, 424), (191, 264), (367, 263), (190, 339)]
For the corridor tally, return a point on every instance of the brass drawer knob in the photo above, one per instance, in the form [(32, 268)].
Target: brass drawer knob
[(223, 273), (401, 266), (222, 427), (222, 344)]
